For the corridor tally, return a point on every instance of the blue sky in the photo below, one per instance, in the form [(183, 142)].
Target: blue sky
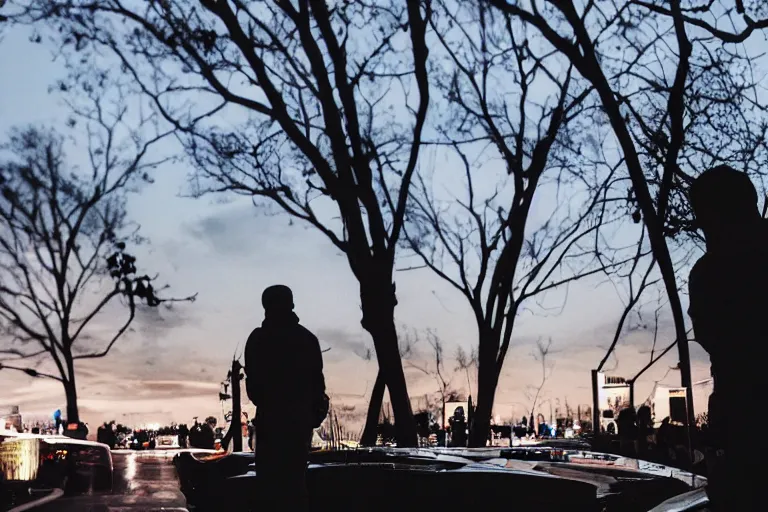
[(226, 250)]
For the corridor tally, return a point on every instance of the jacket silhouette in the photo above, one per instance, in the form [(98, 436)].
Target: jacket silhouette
[(729, 310), (284, 380)]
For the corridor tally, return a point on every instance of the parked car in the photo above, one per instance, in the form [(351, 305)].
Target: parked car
[(41, 461)]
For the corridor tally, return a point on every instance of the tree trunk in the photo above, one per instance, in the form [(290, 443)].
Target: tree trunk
[(487, 380), (378, 304), (444, 418), (70, 390), (235, 425), (481, 422), (370, 432), (595, 404)]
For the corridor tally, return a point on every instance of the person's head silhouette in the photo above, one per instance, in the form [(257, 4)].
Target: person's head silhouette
[(277, 299), (722, 199)]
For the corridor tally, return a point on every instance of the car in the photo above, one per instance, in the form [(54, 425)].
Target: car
[(55, 461)]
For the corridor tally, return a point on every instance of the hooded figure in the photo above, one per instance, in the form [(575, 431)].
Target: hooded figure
[(284, 380), (729, 310)]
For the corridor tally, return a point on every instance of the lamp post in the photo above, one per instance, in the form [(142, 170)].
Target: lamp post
[(235, 425)]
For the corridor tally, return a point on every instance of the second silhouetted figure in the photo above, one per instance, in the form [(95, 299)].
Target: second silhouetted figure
[(284, 379), (729, 309)]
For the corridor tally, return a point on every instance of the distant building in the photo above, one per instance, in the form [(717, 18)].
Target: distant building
[(612, 396), (10, 419), (669, 402), (612, 392)]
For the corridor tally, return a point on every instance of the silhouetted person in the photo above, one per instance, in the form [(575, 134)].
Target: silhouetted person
[(208, 433), (183, 435), (645, 438), (627, 425), (458, 428), (284, 370), (729, 309), (100, 433), (201, 436), (194, 434), (105, 434), (664, 442)]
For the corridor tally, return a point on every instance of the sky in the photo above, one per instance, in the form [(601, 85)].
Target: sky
[(169, 367)]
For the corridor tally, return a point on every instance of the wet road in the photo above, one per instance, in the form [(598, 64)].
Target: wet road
[(143, 481)]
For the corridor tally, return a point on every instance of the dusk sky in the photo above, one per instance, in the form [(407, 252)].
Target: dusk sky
[(169, 368)]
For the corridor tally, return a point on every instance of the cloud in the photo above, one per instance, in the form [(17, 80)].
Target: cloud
[(639, 336), (234, 229), (156, 321), (344, 343)]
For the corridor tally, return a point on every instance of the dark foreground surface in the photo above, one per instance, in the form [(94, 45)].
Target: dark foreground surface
[(535, 478), (389, 479), (143, 481)]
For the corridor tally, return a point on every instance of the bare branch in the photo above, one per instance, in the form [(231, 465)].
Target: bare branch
[(63, 233)]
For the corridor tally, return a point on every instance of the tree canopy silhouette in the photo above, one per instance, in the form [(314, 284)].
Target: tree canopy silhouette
[(316, 108), (516, 127), (64, 234), (677, 98)]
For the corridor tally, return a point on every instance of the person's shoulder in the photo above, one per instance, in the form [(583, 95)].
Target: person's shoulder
[(253, 337), (306, 332), (256, 332), (702, 267)]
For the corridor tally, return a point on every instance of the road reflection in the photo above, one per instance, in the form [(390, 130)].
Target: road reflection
[(142, 481), (130, 470)]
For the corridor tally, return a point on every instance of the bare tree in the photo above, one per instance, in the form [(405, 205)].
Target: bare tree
[(482, 240), (634, 284), (436, 369), (316, 108), (63, 238), (466, 363), (406, 338), (534, 393), (676, 100)]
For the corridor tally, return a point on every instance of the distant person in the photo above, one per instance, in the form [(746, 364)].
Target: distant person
[(101, 433), (729, 310), (183, 435), (201, 436), (458, 425), (284, 380), (252, 435), (208, 434), (645, 437), (664, 442), (627, 425)]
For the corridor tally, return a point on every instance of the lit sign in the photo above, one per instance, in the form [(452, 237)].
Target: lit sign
[(20, 459)]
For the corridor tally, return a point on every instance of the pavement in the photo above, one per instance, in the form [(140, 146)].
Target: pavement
[(143, 482)]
